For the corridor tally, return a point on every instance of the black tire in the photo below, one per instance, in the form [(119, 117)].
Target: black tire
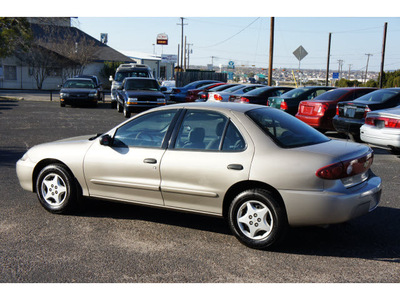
[(119, 107), (127, 114), (265, 226), (56, 189)]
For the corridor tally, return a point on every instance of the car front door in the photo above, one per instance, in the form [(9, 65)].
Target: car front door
[(209, 153), (129, 168)]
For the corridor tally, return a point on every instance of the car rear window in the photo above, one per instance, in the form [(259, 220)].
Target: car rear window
[(286, 130), (331, 95), (379, 96), (295, 93)]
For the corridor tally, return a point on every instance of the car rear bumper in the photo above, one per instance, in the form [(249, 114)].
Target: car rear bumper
[(317, 122), (386, 137), (347, 125), (337, 205)]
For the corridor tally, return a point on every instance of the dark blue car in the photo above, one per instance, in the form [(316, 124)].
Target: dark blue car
[(139, 92), (178, 94)]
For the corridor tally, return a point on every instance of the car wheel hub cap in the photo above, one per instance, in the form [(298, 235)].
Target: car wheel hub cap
[(255, 220), (54, 190)]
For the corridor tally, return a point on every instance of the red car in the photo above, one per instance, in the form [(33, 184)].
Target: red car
[(320, 111), (192, 95)]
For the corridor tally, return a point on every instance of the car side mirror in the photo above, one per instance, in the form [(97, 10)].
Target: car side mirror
[(106, 140)]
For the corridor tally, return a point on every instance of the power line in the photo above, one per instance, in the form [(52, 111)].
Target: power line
[(232, 35)]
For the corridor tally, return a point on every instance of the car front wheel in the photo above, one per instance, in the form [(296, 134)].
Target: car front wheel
[(56, 189), (257, 219)]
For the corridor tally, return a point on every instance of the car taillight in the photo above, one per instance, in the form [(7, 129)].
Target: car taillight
[(321, 109), (383, 122), (337, 109), (346, 168), (366, 110), (244, 100), (284, 105), (217, 97), (203, 96), (267, 102)]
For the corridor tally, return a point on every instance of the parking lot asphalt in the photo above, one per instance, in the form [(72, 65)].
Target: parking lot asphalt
[(112, 242)]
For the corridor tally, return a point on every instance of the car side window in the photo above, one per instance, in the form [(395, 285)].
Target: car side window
[(320, 92), (148, 130), (208, 131)]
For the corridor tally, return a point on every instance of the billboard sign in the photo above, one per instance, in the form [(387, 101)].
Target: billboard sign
[(162, 39)]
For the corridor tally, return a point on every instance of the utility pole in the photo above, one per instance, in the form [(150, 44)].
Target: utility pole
[(188, 54), (340, 61), (383, 56), (185, 55), (182, 24), (327, 63), (349, 70), (366, 69), (271, 51)]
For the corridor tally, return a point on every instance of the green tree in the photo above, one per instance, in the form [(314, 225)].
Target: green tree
[(15, 33), (109, 69)]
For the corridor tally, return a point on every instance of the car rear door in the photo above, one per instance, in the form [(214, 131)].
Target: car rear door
[(209, 153)]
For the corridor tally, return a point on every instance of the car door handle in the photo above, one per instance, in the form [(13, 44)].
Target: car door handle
[(235, 167), (150, 161)]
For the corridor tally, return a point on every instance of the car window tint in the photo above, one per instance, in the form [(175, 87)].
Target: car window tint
[(331, 95), (201, 130), (379, 96), (233, 140), (146, 131), (286, 130)]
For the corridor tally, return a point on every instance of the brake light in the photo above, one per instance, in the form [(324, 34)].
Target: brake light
[(244, 100), (337, 109), (217, 97), (267, 102), (321, 109), (346, 168), (366, 110), (284, 105), (203, 96), (383, 122)]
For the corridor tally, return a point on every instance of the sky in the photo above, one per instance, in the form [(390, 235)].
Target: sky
[(239, 31)]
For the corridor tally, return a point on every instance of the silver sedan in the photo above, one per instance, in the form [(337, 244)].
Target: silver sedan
[(258, 167)]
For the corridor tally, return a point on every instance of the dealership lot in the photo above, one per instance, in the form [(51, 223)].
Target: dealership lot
[(110, 242)]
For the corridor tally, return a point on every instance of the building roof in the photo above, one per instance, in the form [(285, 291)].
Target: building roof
[(102, 52)]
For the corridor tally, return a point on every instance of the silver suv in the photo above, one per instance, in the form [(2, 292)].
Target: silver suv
[(127, 70)]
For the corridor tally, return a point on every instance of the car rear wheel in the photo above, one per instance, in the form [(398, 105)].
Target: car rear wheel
[(56, 189), (257, 219)]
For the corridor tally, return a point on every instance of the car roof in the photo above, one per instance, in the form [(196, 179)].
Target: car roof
[(80, 79), (220, 106), (140, 78)]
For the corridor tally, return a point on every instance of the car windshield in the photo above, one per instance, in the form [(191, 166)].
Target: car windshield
[(120, 76), (331, 95), (141, 84), (295, 93), (79, 84), (286, 130), (378, 96)]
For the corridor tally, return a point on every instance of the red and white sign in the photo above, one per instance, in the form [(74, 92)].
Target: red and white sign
[(162, 39)]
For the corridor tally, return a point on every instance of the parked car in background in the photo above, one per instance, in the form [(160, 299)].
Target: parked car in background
[(350, 116), (137, 92), (193, 95), (229, 94), (97, 83), (261, 95), (78, 91), (382, 128), (260, 168), (178, 94), (320, 111), (203, 95), (289, 101), (169, 85), (127, 70)]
